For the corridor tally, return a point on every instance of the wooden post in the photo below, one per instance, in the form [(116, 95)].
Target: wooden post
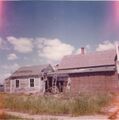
[(117, 62), (56, 84)]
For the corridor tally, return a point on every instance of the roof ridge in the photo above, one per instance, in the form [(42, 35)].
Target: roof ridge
[(34, 65), (88, 53)]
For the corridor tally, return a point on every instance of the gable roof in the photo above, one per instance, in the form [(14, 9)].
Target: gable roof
[(96, 59), (32, 70)]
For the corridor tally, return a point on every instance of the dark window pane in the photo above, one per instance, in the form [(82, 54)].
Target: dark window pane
[(17, 83), (31, 82)]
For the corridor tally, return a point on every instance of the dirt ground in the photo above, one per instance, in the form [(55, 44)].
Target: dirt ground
[(50, 117)]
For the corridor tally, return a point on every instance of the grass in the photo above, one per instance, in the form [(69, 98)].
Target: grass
[(81, 105)]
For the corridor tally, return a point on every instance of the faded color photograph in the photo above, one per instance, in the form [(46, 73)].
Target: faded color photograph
[(59, 60)]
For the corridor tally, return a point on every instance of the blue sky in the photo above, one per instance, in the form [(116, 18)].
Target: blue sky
[(69, 21), (43, 32)]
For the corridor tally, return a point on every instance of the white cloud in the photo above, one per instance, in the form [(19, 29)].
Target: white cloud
[(53, 49), (10, 67), (22, 45), (106, 45), (7, 70), (12, 56), (2, 43), (3, 76)]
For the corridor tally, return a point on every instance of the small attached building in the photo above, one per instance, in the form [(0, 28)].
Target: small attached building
[(91, 72), (29, 79)]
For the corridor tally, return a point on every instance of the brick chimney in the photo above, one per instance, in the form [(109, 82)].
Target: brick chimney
[(82, 50)]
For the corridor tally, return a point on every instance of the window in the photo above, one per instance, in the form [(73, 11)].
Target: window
[(41, 78), (31, 82), (17, 83)]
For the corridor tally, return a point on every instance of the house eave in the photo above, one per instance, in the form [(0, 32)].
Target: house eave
[(89, 70), (23, 77)]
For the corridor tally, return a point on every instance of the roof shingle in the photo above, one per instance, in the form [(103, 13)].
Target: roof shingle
[(30, 70), (100, 58)]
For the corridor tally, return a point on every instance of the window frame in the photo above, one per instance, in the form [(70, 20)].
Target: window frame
[(17, 83), (33, 82)]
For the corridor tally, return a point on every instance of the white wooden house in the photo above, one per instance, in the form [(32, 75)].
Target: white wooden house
[(29, 79)]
